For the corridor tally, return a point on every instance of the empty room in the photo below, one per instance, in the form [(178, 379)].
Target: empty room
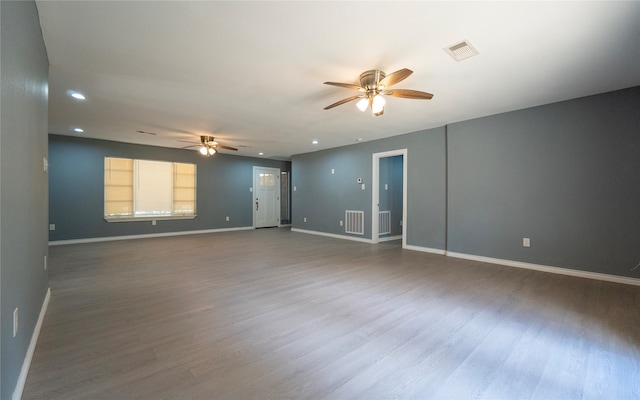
[(319, 200)]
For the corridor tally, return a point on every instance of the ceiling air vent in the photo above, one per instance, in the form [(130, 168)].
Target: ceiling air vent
[(462, 50)]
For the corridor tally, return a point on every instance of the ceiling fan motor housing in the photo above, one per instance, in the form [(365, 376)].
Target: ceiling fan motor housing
[(208, 140), (370, 79)]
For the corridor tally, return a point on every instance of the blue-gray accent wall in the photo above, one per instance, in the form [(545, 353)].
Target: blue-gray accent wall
[(76, 185), (566, 175), (323, 197), (23, 183)]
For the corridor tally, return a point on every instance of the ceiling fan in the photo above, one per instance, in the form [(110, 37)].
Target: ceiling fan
[(208, 146), (374, 84)]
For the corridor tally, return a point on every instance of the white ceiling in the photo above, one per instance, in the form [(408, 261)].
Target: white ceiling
[(251, 73)]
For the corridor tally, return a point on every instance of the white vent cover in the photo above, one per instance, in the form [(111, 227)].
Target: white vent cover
[(384, 222), (462, 50), (354, 222)]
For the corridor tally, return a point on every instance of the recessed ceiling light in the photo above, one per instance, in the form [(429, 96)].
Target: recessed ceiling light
[(261, 154), (76, 95), (78, 130), (314, 141), (359, 139)]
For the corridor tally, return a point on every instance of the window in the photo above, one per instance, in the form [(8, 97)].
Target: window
[(143, 189)]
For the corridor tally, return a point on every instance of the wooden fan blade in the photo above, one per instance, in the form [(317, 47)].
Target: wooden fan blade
[(219, 146), (348, 99), (409, 94), (186, 141), (395, 77), (346, 85), (193, 145)]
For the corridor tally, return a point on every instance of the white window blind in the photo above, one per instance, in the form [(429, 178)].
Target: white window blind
[(184, 189), (148, 189), (153, 194), (118, 187)]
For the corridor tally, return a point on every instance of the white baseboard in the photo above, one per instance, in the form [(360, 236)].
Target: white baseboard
[(546, 268), (22, 379), (425, 249), (332, 235), (389, 238), (145, 236)]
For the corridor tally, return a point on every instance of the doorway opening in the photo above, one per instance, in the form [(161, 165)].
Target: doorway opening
[(389, 196)]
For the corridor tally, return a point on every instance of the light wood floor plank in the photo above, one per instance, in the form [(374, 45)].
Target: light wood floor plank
[(277, 314)]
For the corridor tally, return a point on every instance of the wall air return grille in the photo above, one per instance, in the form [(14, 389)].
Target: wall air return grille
[(384, 222), (354, 222), (461, 51)]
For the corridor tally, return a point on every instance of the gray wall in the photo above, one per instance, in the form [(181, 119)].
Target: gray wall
[(76, 184), (23, 183), (566, 175), (323, 197)]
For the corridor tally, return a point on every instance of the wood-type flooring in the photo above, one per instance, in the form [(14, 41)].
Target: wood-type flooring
[(275, 314)]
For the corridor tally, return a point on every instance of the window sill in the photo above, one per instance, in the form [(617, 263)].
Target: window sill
[(142, 219)]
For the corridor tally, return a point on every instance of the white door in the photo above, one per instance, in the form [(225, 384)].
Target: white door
[(266, 197)]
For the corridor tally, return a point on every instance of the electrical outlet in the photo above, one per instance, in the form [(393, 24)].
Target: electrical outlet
[(526, 242), (304, 219), (153, 222), (227, 218), (15, 322), (52, 227), (250, 189), (341, 223)]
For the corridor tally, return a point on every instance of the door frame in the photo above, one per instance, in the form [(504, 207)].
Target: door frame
[(375, 193), (276, 172)]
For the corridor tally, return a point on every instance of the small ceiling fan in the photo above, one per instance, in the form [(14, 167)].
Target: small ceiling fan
[(208, 146), (374, 84)]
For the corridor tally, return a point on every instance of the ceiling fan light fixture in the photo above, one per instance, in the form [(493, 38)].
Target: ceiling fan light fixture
[(375, 84), (377, 106), (212, 151), (203, 150), (362, 104)]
